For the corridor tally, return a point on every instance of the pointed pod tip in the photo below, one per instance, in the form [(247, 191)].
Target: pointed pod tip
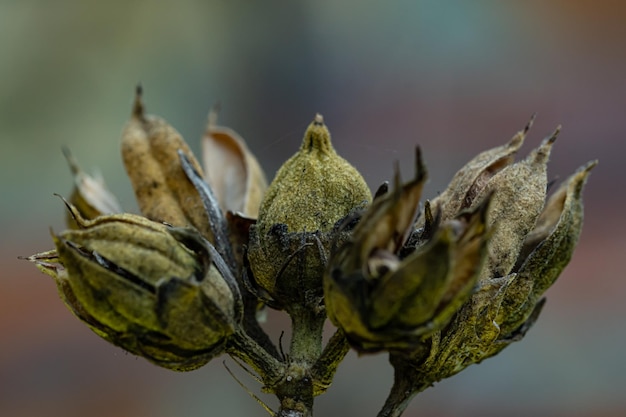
[(317, 137), (579, 178), (541, 154), (552, 138), (420, 167), (589, 166), (397, 178), (530, 123), (382, 190), (76, 216), (517, 140), (71, 161), (138, 108)]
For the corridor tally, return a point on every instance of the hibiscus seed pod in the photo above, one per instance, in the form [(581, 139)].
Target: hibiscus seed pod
[(471, 179), (547, 249), (519, 195), (383, 301), (540, 237), (150, 149), (148, 288), (299, 215)]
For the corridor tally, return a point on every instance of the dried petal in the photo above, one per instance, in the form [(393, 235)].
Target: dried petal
[(231, 169), (90, 195), (389, 220)]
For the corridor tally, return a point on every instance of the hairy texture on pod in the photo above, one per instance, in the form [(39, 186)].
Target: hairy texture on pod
[(298, 220)]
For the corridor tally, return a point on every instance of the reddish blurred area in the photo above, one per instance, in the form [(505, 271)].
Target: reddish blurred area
[(454, 77)]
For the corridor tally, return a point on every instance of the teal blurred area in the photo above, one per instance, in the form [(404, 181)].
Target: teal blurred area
[(454, 77)]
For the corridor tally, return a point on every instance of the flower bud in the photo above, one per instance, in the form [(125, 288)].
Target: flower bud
[(153, 290), (297, 223), (382, 300)]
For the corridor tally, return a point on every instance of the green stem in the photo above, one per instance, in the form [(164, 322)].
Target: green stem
[(306, 340), (243, 347), (326, 366), (407, 382)]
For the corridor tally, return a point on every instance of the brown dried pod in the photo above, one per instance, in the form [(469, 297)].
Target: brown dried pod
[(539, 239), (471, 179), (383, 301), (150, 149)]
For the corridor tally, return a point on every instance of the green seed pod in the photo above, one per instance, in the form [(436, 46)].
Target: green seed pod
[(297, 223), (153, 290)]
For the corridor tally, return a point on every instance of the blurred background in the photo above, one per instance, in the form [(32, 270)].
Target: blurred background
[(455, 77)]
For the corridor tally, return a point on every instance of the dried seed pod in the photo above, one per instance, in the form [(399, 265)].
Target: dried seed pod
[(519, 195), (148, 288), (540, 239), (471, 179), (382, 301), (150, 149), (310, 194), (231, 169), (547, 249), (90, 195)]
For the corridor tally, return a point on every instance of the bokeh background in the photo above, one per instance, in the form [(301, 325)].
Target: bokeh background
[(455, 77)]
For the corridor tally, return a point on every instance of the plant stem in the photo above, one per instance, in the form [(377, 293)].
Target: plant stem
[(324, 369), (242, 346), (306, 340), (408, 381)]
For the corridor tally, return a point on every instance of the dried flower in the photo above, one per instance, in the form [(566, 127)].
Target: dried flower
[(234, 173), (90, 195)]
